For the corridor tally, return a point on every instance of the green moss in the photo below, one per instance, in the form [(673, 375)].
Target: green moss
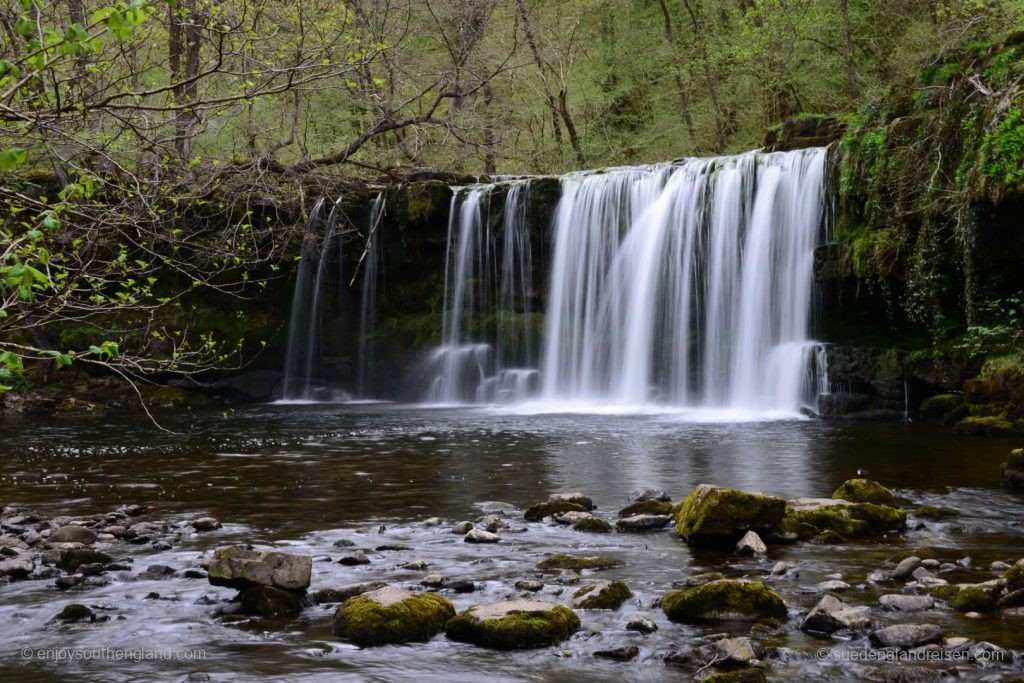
[(990, 425), (602, 596), (1004, 151), (366, 622), (747, 675), (726, 600), (556, 563), (936, 512), (864, 491), (536, 513), (593, 525), (646, 507), (969, 597), (850, 521), (715, 515), (1014, 577), (520, 630), (973, 599), (942, 408)]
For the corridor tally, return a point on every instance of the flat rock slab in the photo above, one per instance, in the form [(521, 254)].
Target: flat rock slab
[(906, 636), (898, 602), (238, 567), (642, 522)]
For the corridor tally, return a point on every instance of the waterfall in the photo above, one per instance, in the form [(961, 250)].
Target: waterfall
[(487, 325), (368, 300), (685, 284), (305, 378)]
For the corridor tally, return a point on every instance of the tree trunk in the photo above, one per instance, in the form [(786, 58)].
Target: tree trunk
[(709, 80), (684, 96), (851, 68)]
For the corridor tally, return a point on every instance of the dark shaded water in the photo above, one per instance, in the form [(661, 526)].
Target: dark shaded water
[(306, 476)]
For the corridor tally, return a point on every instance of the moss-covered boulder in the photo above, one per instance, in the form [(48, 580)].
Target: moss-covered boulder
[(240, 567), (601, 595), (724, 600), (1012, 471), (592, 524), (646, 507), (944, 409), (748, 675), (716, 516), (1014, 577), (971, 597), (864, 491), (536, 513), (391, 615), (577, 563), (811, 517), (514, 625)]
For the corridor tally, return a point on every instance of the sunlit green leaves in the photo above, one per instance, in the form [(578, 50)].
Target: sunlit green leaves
[(11, 158)]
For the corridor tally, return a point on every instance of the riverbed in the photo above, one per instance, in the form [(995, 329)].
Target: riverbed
[(303, 477)]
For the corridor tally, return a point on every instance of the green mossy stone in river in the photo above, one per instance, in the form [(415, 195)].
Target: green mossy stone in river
[(813, 516), (1014, 577), (966, 597), (391, 615), (75, 613), (602, 595), (989, 425), (724, 600), (864, 491), (936, 512), (577, 563), (715, 516), (514, 625), (646, 507), (594, 525), (538, 512), (747, 675)]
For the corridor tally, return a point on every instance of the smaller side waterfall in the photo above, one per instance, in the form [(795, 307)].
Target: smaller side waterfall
[(304, 374), (368, 300), (487, 333)]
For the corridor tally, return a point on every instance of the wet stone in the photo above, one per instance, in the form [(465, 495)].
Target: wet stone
[(481, 536), (642, 522), (641, 625), (354, 559), (906, 603), (462, 528), (619, 654), (73, 533), (832, 614), (529, 585), (906, 636)]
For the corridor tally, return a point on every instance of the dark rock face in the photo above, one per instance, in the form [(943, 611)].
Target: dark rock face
[(803, 131)]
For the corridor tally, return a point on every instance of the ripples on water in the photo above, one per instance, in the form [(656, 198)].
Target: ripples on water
[(305, 476)]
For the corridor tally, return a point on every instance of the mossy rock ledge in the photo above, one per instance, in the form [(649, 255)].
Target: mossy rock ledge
[(577, 563), (716, 516), (724, 600), (865, 491), (514, 625), (391, 615), (1012, 471)]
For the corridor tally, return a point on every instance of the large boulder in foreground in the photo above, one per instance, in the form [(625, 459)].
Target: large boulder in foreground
[(864, 491), (391, 615), (514, 625), (724, 600), (716, 516), (239, 567)]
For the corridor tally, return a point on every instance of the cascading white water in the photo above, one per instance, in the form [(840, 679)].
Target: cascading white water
[(487, 312), (368, 301), (686, 284), (304, 378)]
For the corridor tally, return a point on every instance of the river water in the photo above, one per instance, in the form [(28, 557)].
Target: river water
[(301, 477)]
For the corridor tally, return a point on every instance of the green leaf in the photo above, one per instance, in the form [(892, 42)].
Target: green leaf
[(10, 158)]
